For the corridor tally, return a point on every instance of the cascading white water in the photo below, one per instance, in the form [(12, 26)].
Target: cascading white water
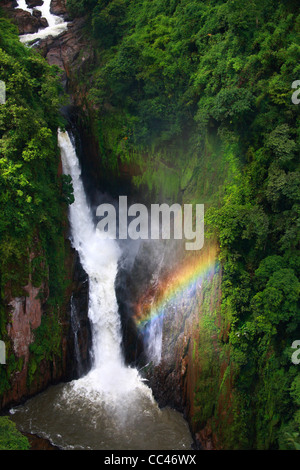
[(56, 24), (23, 5), (99, 257)]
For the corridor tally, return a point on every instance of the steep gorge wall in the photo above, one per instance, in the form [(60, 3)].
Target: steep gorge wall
[(38, 335), (195, 375)]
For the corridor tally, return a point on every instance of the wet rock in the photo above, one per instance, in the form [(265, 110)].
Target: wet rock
[(79, 302), (58, 7), (34, 3), (39, 443), (26, 22), (37, 13), (43, 23), (9, 4), (26, 314)]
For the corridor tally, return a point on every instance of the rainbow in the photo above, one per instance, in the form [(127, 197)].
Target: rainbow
[(181, 281)]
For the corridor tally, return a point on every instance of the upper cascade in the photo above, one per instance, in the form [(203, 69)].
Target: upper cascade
[(99, 256), (56, 24)]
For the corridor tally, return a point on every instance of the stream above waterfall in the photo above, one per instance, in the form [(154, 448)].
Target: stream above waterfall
[(72, 418), (111, 407)]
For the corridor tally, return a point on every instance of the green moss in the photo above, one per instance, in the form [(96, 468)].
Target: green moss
[(10, 437)]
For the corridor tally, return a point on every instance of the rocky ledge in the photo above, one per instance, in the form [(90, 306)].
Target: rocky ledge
[(34, 3), (70, 51), (30, 23), (58, 7), (26, 22)]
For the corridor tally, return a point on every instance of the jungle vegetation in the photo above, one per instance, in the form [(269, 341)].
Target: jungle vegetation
[(198, 93)]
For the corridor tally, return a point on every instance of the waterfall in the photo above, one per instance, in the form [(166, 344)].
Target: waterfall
[(153, 339), (153, 330), (75, 324), (99, 257), (56, 24)]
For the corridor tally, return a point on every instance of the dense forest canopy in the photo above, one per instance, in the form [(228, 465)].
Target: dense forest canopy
[(206, 88), (32, 195)]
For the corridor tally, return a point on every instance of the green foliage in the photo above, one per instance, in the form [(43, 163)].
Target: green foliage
[(107, 19), (198, 95), (10, 437), (47, 343), (30, 189)]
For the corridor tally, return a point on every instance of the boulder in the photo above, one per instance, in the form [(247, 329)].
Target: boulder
[(34, 3), (43, 23), (26, 23), (9, 4)]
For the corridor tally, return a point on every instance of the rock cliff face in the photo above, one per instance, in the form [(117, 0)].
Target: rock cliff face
[(34, 3), (78, 362), (192, 374), (75, 55), (69, 51), (195, 375), (25, 317)]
